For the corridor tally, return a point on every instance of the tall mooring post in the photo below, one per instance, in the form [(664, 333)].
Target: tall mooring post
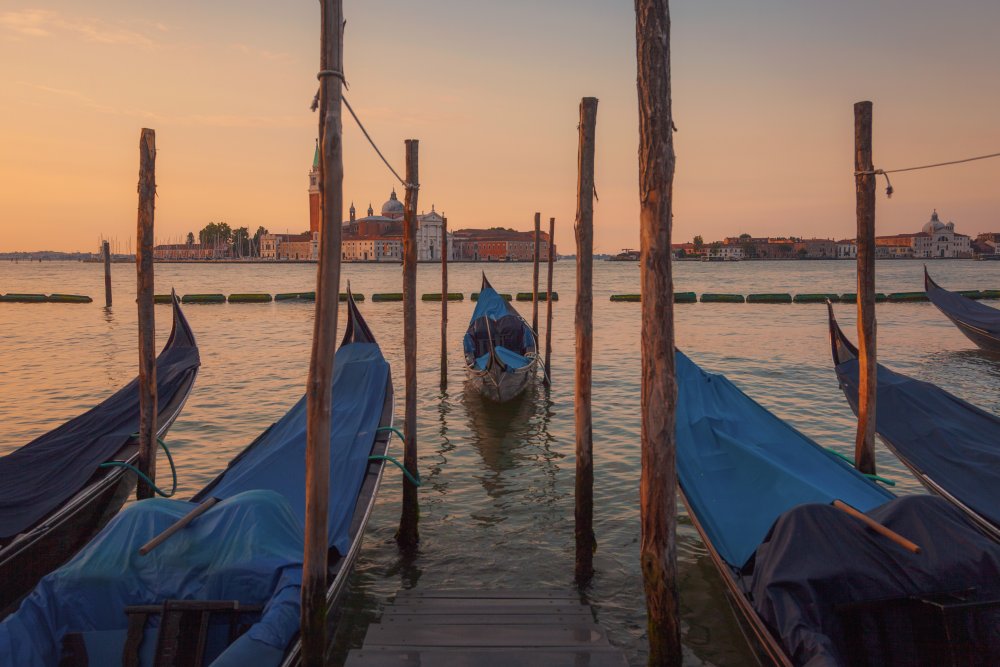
[(319, 387), (658, 485), (444, 303), (534, 280), (147, 324), (107, 274), (408, 535), (585, 541), (548, 305), (864, 182)]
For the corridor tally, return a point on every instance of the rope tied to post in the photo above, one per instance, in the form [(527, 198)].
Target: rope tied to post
[(886, 172)]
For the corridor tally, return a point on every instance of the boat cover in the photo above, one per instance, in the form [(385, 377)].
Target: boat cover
[(45, 473), (952, 442), (817, 558), (247, 548), (964, 309), (741, 467)]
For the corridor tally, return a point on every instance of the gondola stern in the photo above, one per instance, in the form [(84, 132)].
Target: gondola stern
[(357, 330), (841, 348), (181, 334)]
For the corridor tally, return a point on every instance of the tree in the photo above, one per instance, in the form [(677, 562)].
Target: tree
[(745, 237), (240, 240), (190, 238), (699, 243), (256, 240)]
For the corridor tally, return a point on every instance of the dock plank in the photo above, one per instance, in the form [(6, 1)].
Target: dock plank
[(484, 608), (487, 636), (486, 595), (568, 616), (593, 657)]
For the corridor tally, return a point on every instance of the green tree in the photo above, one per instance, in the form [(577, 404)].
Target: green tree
[(190, 238), (256, 240), (240, 241), (699, 243), (745, 237)]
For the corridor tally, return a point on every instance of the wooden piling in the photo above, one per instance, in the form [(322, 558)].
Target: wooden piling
[(147, 325), (658, 486), (548, 306), (534, 281), (319, 388), (585, 542), (864, 181), (107, 274), (408, 534), (444, 303)]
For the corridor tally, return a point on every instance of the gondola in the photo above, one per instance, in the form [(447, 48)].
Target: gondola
[(501, 350), (223, 590), (951, 446), (810, 583), (979, 322), (57, 491)]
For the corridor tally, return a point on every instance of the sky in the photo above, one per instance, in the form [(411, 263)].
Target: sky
[(763, 97)]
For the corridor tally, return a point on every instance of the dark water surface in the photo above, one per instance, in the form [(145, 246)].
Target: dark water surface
[(497, 503)]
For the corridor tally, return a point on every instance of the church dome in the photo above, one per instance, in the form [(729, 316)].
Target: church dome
[(935, 225), (392, 208)]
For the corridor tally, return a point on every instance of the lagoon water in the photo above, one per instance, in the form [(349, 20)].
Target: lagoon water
[(497, 500)]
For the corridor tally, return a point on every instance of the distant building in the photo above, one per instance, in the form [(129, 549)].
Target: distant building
[(937, 240), (289, 246), (815, 249), (847, 249), (498, 245), (726, 252), (188, 251)]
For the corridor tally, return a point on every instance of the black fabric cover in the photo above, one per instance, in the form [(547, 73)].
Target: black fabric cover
[(45, 473), (508, 331), (817, 558)]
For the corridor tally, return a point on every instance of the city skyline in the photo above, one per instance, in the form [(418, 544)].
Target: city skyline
[(762, 101)]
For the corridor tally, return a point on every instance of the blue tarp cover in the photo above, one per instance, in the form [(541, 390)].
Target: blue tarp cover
[(247, 548), (45, 473), (512, 337), (947, 439), (966, 310), (741, 467)]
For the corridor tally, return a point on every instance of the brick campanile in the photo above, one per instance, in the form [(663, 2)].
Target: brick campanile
[(314, 193)]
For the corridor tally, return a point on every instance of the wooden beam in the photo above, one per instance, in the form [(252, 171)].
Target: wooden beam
[(548, 305), (147, 324), (107, 275), (864, 445), (584, 514), (319, 388), (444, 303), (534, 280), (408, 535), (173, 528), (658, 485)]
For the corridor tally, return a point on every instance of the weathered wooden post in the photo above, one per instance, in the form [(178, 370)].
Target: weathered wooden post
[(585, 542), (147, 325), (408, 534), (534, 281), (658, 486), (864, 181), (319, 388), (107, 274), (548, 305), (444, 303)]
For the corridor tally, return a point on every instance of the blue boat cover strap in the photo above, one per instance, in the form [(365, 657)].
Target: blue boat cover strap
[(951, 441), (741, 467), (42, 475), (817, 559)]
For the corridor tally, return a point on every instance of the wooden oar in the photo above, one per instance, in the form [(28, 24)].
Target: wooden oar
[(177, 525), (877, 527)]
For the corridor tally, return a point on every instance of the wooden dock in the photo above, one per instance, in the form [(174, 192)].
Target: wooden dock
[(468, 628)]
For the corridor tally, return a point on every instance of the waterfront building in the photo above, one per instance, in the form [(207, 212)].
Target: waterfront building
[(937, 240), (847, 249), (302, 246), (815, 249), (498, 245), (188, 251), (725, 252)]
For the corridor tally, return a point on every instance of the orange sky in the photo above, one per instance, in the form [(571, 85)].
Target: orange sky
[(763, 97)]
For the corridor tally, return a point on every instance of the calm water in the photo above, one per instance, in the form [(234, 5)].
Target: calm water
[(497, 504)]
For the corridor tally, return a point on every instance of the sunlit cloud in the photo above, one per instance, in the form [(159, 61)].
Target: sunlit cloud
[(47, 23)]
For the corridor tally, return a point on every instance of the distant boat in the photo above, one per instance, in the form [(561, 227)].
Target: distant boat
[(951, 446), (812, 584), (626, 255), (225, 589), (979, 322), (501, 350), (58, 490)]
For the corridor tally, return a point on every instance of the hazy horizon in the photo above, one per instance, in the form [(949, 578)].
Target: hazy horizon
[(762, 98)]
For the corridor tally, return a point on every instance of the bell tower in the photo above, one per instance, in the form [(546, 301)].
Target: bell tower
[(314, 193)]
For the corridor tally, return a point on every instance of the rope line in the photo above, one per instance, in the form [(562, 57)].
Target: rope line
[(886, 172), (357, 120), (139, 473)]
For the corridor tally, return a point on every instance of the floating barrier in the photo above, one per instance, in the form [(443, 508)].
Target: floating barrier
[(475, 296), (250, 298), (391, 296), (989, 294), (685, 297), (311, 296), (970, 293), (162, 298), (903, 297), (771, 297), (851, 297), (626, 297), (816, 298), (542, 296), (24, 298), (436, 296), (723, 298), (69, 298), (203, 298)]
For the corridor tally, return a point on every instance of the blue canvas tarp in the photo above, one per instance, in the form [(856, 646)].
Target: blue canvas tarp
[(741, 467), (496, 322), (45, 473), (964, 311)]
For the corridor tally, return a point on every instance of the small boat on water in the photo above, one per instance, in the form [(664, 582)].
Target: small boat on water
[(979, 322), (501, 350), (811, 583), (58, 490), (951, 446), (224, 589)]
